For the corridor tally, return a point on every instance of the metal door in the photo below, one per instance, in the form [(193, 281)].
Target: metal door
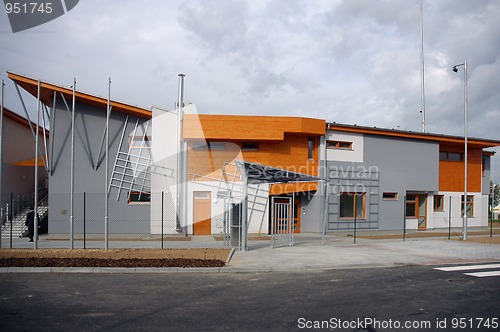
[(282, 222)]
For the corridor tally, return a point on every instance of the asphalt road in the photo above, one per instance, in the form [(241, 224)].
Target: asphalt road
[(338, 300)]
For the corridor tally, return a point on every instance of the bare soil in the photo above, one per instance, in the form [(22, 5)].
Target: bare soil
[(114, 258)]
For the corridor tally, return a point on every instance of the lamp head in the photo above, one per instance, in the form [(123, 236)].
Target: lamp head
[(455, 69)]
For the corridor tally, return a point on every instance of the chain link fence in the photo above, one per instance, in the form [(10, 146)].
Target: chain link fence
[(133, 221)]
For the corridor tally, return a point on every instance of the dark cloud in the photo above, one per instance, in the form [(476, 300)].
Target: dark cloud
[(353, 61)]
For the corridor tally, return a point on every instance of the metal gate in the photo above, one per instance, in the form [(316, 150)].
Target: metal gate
[(281, 222)]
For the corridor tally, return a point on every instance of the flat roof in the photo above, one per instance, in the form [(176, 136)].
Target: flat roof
[(442, 138)]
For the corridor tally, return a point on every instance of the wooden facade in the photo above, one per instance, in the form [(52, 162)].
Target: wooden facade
[(281, 142)]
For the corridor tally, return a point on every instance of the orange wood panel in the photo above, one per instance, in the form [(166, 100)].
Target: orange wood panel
[(451, 173), (289, 154), (239, 127)]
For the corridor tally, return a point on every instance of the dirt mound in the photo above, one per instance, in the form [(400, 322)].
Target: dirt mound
[(101, 262), (114, 258)]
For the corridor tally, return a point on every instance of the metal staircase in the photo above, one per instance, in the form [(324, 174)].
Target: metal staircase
[(17, 226)]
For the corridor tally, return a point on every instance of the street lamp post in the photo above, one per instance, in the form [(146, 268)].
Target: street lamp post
[(464, 212)]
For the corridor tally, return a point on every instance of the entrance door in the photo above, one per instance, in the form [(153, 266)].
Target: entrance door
[(202, 213), (422, 212), (296, 214), (416, 207)]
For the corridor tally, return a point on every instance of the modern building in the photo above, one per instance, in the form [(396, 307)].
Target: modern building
[(242, 171)]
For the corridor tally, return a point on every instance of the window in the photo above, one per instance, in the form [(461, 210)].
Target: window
[(310, 148), (250, 147), (352, 204), (209, 146), (438, 203), (390, 196), (339, 145), (137, 142), (483, 166), (411, 206), (450, 156), (136, 197), (470, 205)]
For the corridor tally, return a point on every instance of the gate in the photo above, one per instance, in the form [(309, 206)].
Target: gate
[(281, 222)]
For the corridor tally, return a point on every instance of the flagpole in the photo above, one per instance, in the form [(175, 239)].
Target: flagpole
[(35, 221), (106, 202), (72, 171)]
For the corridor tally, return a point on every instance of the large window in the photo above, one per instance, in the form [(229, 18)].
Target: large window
[(470, 205), (411, 206), (352, 204)]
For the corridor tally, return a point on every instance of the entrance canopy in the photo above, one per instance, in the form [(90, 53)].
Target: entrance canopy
[(257, 173)]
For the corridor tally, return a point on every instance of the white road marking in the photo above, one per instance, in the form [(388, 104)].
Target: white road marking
[(484, 274), (468, 267)]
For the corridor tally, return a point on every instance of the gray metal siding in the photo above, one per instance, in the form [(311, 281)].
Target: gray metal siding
[(18, 145), (124, 218), (405, 166), (486, 175), (390, 164)]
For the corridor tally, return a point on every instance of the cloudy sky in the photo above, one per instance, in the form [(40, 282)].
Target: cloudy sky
[(348, 61)]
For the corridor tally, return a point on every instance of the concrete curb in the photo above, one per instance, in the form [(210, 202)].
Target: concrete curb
[(109, 270)]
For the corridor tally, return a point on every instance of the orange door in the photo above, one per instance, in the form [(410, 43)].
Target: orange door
[(202, 213), (296, 215)]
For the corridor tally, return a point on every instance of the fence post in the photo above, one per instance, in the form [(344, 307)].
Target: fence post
[(162, 196), (355, 219), (490, 198), (84, 220), (11, 216), (449, 220), (404, 218)]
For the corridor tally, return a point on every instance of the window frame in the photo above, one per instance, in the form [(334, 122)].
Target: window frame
[(310, 148), (138, 202), (445, 156), (249, 148), (411, 202), (440, 207), (138, 140), (393, 196), (354, 196), (337, 145), (209, 146), (471, 203)]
